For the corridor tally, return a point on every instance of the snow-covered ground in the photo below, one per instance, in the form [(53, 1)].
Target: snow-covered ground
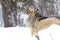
[(24, 33), (15, 33)]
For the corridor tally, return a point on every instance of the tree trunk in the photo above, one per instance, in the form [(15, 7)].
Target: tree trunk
[(7, 12), (6, 8), (14, 12)]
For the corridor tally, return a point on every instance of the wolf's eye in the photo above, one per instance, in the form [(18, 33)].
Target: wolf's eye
[(31, 10)]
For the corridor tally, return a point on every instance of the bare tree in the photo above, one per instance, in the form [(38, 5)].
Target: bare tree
[(6, 8), (8, 11)]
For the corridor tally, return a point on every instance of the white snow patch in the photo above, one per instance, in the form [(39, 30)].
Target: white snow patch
[(15, 33), (25, 17)]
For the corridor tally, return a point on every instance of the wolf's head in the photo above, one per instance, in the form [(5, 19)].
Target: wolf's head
[(30, 11)]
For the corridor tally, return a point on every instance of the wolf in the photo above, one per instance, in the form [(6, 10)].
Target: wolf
[(37, 22)]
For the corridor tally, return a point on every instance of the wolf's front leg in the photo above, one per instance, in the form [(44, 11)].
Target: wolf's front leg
[(33, 31)]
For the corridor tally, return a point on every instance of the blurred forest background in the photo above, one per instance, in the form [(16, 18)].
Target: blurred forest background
[(12, 12)]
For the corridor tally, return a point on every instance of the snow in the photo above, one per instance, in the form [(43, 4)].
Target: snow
[(15, 33), (22, 19), (25, 17), (24, 33)]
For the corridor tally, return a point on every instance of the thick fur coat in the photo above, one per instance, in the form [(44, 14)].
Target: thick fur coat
[(37, 22)]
